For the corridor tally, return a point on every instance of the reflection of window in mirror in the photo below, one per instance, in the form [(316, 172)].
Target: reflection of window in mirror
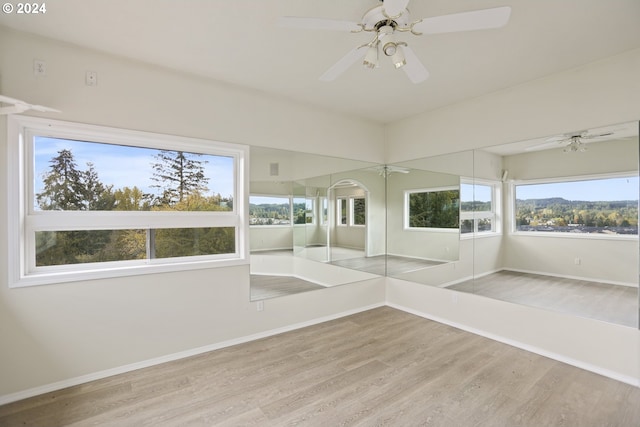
[(433, 208), (589, 207), (310, 211), (479, 207), (269, 210), (299, 210), (324, 210), (341, 204), (358, 211)]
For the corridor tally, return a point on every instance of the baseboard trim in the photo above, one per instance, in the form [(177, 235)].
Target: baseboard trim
[(567, 276), (59, 385), (533, 349)]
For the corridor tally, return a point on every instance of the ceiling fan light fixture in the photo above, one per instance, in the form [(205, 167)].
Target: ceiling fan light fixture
[(371, 57), (390, 48), (398, 59), (576, 145)]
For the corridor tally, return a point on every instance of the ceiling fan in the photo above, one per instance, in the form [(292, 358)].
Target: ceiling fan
[(572, 142), (17, 107), (388, 20)]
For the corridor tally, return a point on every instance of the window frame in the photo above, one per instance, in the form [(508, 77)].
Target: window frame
[(565, 235), (495, 214), (25, 220), (339, 204), (323, 207), (406, 213), (310, 217)]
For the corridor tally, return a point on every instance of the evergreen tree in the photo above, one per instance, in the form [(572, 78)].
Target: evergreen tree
[(98, 197), (64, 188), (178, 175), (70, 189)]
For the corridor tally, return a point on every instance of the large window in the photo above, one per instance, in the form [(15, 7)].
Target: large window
[(434, 208), (99, 202), (603, 206), (270, 210), (351, 211), (358, 211), (479, 207)]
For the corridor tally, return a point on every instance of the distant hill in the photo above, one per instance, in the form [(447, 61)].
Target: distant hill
[(554, 201)]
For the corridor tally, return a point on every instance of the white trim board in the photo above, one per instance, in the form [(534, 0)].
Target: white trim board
[(567, 276)]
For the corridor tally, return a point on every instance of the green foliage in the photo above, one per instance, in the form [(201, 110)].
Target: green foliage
[(68, 188), (434, 209), (359, 211), (269, 213), (558, 212), (300, 213), (178, 175), (177, 242), (131, 199)]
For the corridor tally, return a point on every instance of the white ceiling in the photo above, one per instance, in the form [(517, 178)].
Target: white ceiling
[(239, 42)]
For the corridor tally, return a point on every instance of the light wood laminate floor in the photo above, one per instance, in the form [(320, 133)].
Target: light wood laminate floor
[(266, 286), (389, 265), (603, 301), (382, 367)]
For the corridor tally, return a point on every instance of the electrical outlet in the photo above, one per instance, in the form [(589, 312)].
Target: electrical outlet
[(91, 78), (39, 68), (577, 261), (260, 305)]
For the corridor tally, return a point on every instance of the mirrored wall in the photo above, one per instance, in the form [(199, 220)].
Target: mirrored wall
[(550, 222), (315, 222)]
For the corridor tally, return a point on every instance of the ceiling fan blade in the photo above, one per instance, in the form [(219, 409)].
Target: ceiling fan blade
[(13, 101), (414, 69), (343, 64), (14, 109), (596, 135), (18, 106), (44, 109), (317, 24), (466, 21), (546, 145), (394, 7)]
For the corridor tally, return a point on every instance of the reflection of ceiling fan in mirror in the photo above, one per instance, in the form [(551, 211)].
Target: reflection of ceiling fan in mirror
[(389, 20), (571, 143)]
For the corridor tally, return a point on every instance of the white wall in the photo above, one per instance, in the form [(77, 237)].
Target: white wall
[(59, 333), (599, 94)]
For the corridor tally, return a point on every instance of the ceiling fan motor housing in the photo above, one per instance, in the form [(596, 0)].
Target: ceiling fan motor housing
[(376, 18)]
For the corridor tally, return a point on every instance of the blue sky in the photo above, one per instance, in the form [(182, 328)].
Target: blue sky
[(124, 166), (610, 189)]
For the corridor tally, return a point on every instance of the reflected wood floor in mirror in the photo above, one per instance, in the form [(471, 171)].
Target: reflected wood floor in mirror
[(265, 286), (610, 303), (380, 367), (385, 264)]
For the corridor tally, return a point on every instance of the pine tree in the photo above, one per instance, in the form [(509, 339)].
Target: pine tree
[(63, 185), (178, 175), (98, 197), (69, 189)]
